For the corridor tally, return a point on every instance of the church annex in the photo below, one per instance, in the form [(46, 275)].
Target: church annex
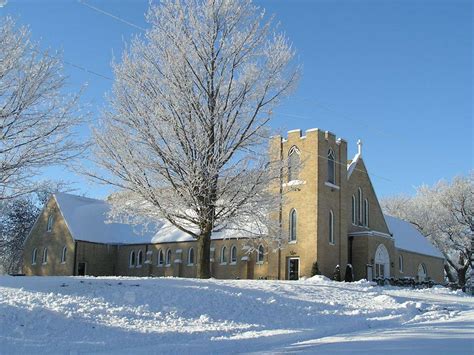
[(331, 215)]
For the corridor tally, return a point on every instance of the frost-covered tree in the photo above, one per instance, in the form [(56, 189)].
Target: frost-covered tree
[(444, 213), (36, 118), (186, 135)]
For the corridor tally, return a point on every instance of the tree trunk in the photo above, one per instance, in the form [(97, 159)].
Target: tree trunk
[(449, 273), (462, 275), (204, 255)]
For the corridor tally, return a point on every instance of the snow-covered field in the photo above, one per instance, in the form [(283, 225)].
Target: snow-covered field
[(168, 315)]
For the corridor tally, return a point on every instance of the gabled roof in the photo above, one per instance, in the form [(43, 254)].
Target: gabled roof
[(407, 237), (87, 220)]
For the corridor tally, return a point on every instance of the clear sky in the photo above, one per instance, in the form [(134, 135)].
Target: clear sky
[(396, 74)]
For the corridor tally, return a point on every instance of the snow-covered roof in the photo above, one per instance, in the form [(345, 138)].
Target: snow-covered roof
[(407, 237), (87, 220), (351, 166)]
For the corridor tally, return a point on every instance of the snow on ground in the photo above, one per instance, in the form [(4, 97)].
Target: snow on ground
[(156, 315)]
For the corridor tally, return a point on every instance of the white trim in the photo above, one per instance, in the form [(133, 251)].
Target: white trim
[(178, 261), (400, 263), (370, 233), (244, 258), (331, 185)]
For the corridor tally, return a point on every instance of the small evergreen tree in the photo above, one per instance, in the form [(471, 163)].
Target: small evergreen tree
[(337, 273)]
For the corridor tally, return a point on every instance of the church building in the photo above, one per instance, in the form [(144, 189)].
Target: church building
[(330, 217)]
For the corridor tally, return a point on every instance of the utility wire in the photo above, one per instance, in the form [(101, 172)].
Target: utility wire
[(110, 15), (284, 114)]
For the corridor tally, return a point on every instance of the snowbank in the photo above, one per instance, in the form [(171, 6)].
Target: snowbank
[(124, 315)]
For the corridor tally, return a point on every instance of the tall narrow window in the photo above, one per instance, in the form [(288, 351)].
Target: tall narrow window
[(33, 256), (233, 254), (400, 263), (49, 227), (191, 256), (260, 255), (331, 167), (131, 261), (293, 222), (224, 255), (161, 258), (366, 213), (293, 163), (359, 206), (63, 255), (354, 210), (45, 255), (139, 258), (331, 227), (168, 257)]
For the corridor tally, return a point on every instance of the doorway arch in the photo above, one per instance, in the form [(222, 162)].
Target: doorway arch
[(382, 262)]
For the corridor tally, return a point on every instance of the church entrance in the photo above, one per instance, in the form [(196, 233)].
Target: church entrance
[(382, 262), (293, 268), (81, 269)]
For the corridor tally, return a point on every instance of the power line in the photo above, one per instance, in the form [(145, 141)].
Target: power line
[(115, 17), (110, 15), (87, 70)]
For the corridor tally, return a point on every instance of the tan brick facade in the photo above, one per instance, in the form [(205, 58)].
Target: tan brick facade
[(338, 221)]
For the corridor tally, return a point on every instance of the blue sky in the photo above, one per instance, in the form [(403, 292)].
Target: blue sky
[(396, 74)]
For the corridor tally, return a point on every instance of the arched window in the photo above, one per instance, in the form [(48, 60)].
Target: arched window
[(131, 261), (191, 256), (293, 223), (366, 213), (139, 258), (331, 167), (45, 255), (400, 263), (359, 206), (354, 210), (63, 255), (261, 253), (161, 258), (49, 227), (293, 163), (224, 255), (168, 257), (33, 256), (233, 254), (331, 227), (422, 274)]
